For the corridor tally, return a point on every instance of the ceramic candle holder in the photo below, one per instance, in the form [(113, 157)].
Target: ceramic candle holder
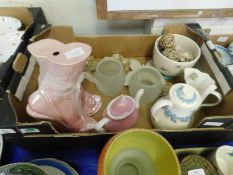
[(150, 80), (109, 76)]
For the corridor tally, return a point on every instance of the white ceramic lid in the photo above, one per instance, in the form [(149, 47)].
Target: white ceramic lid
[(121, 107), (185, 96)]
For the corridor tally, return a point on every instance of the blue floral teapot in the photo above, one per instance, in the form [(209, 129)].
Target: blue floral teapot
[(175, 111)]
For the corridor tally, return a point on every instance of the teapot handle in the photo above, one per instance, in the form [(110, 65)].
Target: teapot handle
[(159, 104), (100, 125), (92, 79), (217, 95)]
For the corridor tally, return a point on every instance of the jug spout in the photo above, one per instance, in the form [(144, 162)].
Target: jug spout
[(138, 96)]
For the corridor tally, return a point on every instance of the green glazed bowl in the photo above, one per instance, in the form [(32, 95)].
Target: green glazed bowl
[(138, 152)]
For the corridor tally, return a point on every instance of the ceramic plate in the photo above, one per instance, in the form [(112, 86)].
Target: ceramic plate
[(9, 24), (194, 162), (22, 169), (55, 167), (11, 41), (8, 45), (226, 57), (4, 56)]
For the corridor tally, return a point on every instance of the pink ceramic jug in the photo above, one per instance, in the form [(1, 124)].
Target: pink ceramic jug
[(60, 96), (121, 113)]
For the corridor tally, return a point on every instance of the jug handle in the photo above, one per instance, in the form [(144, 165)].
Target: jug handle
[(92, 79), (217, 95), (100, 125), (159, 104)]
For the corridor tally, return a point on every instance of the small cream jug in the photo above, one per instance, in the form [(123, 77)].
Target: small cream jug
[(175, 111)]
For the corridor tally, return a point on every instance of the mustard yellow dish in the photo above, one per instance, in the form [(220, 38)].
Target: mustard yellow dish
[(138, 152)]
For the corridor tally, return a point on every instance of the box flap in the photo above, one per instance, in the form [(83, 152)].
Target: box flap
[(64, 34), (20, 63), (143, 45), (20, 13), (184, 30)]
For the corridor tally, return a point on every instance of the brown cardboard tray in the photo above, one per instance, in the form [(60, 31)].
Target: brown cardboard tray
[(137, 47)]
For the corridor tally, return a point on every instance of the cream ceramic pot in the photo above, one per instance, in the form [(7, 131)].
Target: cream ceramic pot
[(175, 111)]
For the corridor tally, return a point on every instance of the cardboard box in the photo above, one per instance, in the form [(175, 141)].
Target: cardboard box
[(17, 122), (30, 17)]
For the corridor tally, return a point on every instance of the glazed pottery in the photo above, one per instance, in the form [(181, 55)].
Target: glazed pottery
[(54, 166), (138, 152), (22, 169), (8, 45), (121, 113), (230, 48), (60, 96), (203, 83), (226, 55), (222, 158), (173, 68), (150, 80), (109, 76), (9, 24), (175, 111), (196, 164)]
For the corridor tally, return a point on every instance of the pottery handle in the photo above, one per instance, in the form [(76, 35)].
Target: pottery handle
[(217, 95), (100, 125), (158, 105), (138, 96), (92, 79)]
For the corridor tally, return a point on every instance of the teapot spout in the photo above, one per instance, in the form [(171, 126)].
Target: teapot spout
[(138, 96)]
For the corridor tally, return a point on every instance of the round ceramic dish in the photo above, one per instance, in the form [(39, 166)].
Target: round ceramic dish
[(55, 167), (196, 162), (9, 24), (22, 169), (138, 152)]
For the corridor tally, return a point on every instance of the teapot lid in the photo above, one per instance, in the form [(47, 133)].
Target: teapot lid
[(121, 107), (185, 96)]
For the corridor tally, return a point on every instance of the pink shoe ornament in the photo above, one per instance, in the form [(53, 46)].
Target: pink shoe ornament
[(60, 96)]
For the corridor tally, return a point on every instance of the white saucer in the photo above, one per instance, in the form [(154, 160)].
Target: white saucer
[(8, 45), (9, 24)]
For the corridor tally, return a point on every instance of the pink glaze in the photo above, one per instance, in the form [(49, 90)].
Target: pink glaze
[(60, 96), (122, 106)]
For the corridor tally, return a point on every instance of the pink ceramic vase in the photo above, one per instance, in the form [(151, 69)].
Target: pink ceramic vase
[(60, 96)]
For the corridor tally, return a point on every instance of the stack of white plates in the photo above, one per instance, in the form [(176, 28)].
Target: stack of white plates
[(10, 37)]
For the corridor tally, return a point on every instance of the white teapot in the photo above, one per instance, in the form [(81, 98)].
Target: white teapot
[(175, 111)]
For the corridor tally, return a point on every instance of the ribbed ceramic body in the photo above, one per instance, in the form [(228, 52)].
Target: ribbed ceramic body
[(60, 96)]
